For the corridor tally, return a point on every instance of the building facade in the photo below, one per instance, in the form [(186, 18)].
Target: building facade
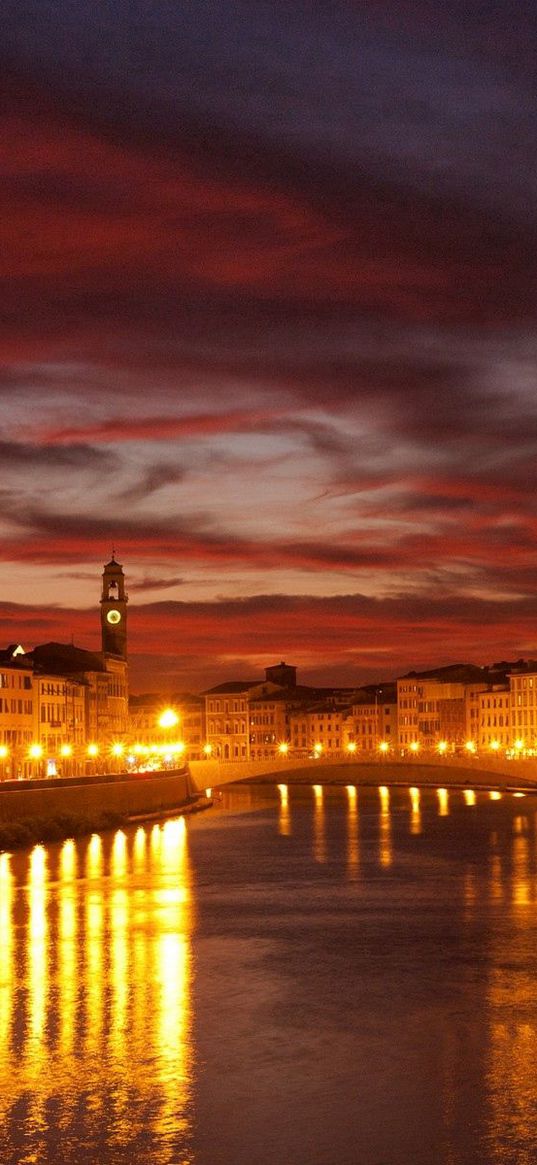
[(58, 701)]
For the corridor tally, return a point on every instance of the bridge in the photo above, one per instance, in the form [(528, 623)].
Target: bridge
[(491, 772)]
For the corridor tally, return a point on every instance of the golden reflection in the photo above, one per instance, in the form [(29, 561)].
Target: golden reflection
[(353, 845), (94, 857), (108, 959), (469, 797), (415, 812), (119, 855), (385, 827), (119, 950), (521, 889), (67, 948), (94, 979), (154, 841), (510, 1067), (6, 953), (443, 802), (284, 818), (496, 881), (319, 834), (172, 975), (470, 887), (37, 953), (510, 996), (94, 940), (139, 851), (495, 795)]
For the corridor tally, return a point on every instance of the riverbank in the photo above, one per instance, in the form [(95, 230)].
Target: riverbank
[(38, 811), (29, 831)]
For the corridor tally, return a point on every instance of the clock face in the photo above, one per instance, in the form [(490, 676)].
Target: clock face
[(113, 616)]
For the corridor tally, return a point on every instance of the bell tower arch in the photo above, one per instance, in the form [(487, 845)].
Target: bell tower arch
[(114, 601)]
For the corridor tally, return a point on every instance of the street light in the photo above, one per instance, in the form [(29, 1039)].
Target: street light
[(35, 753), (168, 718), (66, 752), (4, 756)]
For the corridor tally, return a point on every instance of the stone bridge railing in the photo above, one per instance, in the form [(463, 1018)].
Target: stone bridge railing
[(491, 771)]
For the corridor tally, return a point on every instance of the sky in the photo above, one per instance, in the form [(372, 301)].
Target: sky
[(268, 286)]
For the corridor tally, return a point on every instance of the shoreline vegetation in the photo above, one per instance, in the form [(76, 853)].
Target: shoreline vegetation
[(29, 831)]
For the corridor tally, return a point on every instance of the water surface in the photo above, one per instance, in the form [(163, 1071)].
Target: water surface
[(302, 976)]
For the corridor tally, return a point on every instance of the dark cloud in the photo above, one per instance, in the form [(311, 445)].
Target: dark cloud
[(14, 455), (349, 639), (281, 259), (150, 583)]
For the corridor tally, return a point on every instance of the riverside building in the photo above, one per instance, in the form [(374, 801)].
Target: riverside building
[(61, 705)]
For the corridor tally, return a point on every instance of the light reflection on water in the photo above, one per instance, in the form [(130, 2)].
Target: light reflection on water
[(95, 1007), (309, 974)]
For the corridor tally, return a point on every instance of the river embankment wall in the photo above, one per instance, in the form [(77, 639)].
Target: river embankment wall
[(127, 794)]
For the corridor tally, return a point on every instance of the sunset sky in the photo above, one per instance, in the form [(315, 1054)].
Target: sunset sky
[(269, 288)]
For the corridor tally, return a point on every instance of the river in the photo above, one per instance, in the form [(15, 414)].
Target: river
[(299, 976)]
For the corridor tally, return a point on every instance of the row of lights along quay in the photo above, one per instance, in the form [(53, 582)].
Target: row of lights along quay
[(65, 710)]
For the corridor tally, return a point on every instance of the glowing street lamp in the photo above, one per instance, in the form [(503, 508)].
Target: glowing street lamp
[(93, 750), (4, 757), (414, 746), (35, 754), (351, 747), (66, 750), (207, 749), (283, 748), (442, 747), (494, 746), (168, 719), (384, 747), (470, 746)]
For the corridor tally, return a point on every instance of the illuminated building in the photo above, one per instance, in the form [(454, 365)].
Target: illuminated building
[(523, 700), (16, 710), (494, 719), (373, 719), (57, 697), (319, 728)]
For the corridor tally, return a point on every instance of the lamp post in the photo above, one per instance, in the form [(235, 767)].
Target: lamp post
[(5, 761), (167, 720), (35, 755), (93, 753), (66, 753), (117, 751)]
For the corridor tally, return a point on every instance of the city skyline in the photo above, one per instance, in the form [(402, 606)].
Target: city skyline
[(269, 331)]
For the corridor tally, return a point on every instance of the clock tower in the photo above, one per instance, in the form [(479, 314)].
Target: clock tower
[(114, 610)]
